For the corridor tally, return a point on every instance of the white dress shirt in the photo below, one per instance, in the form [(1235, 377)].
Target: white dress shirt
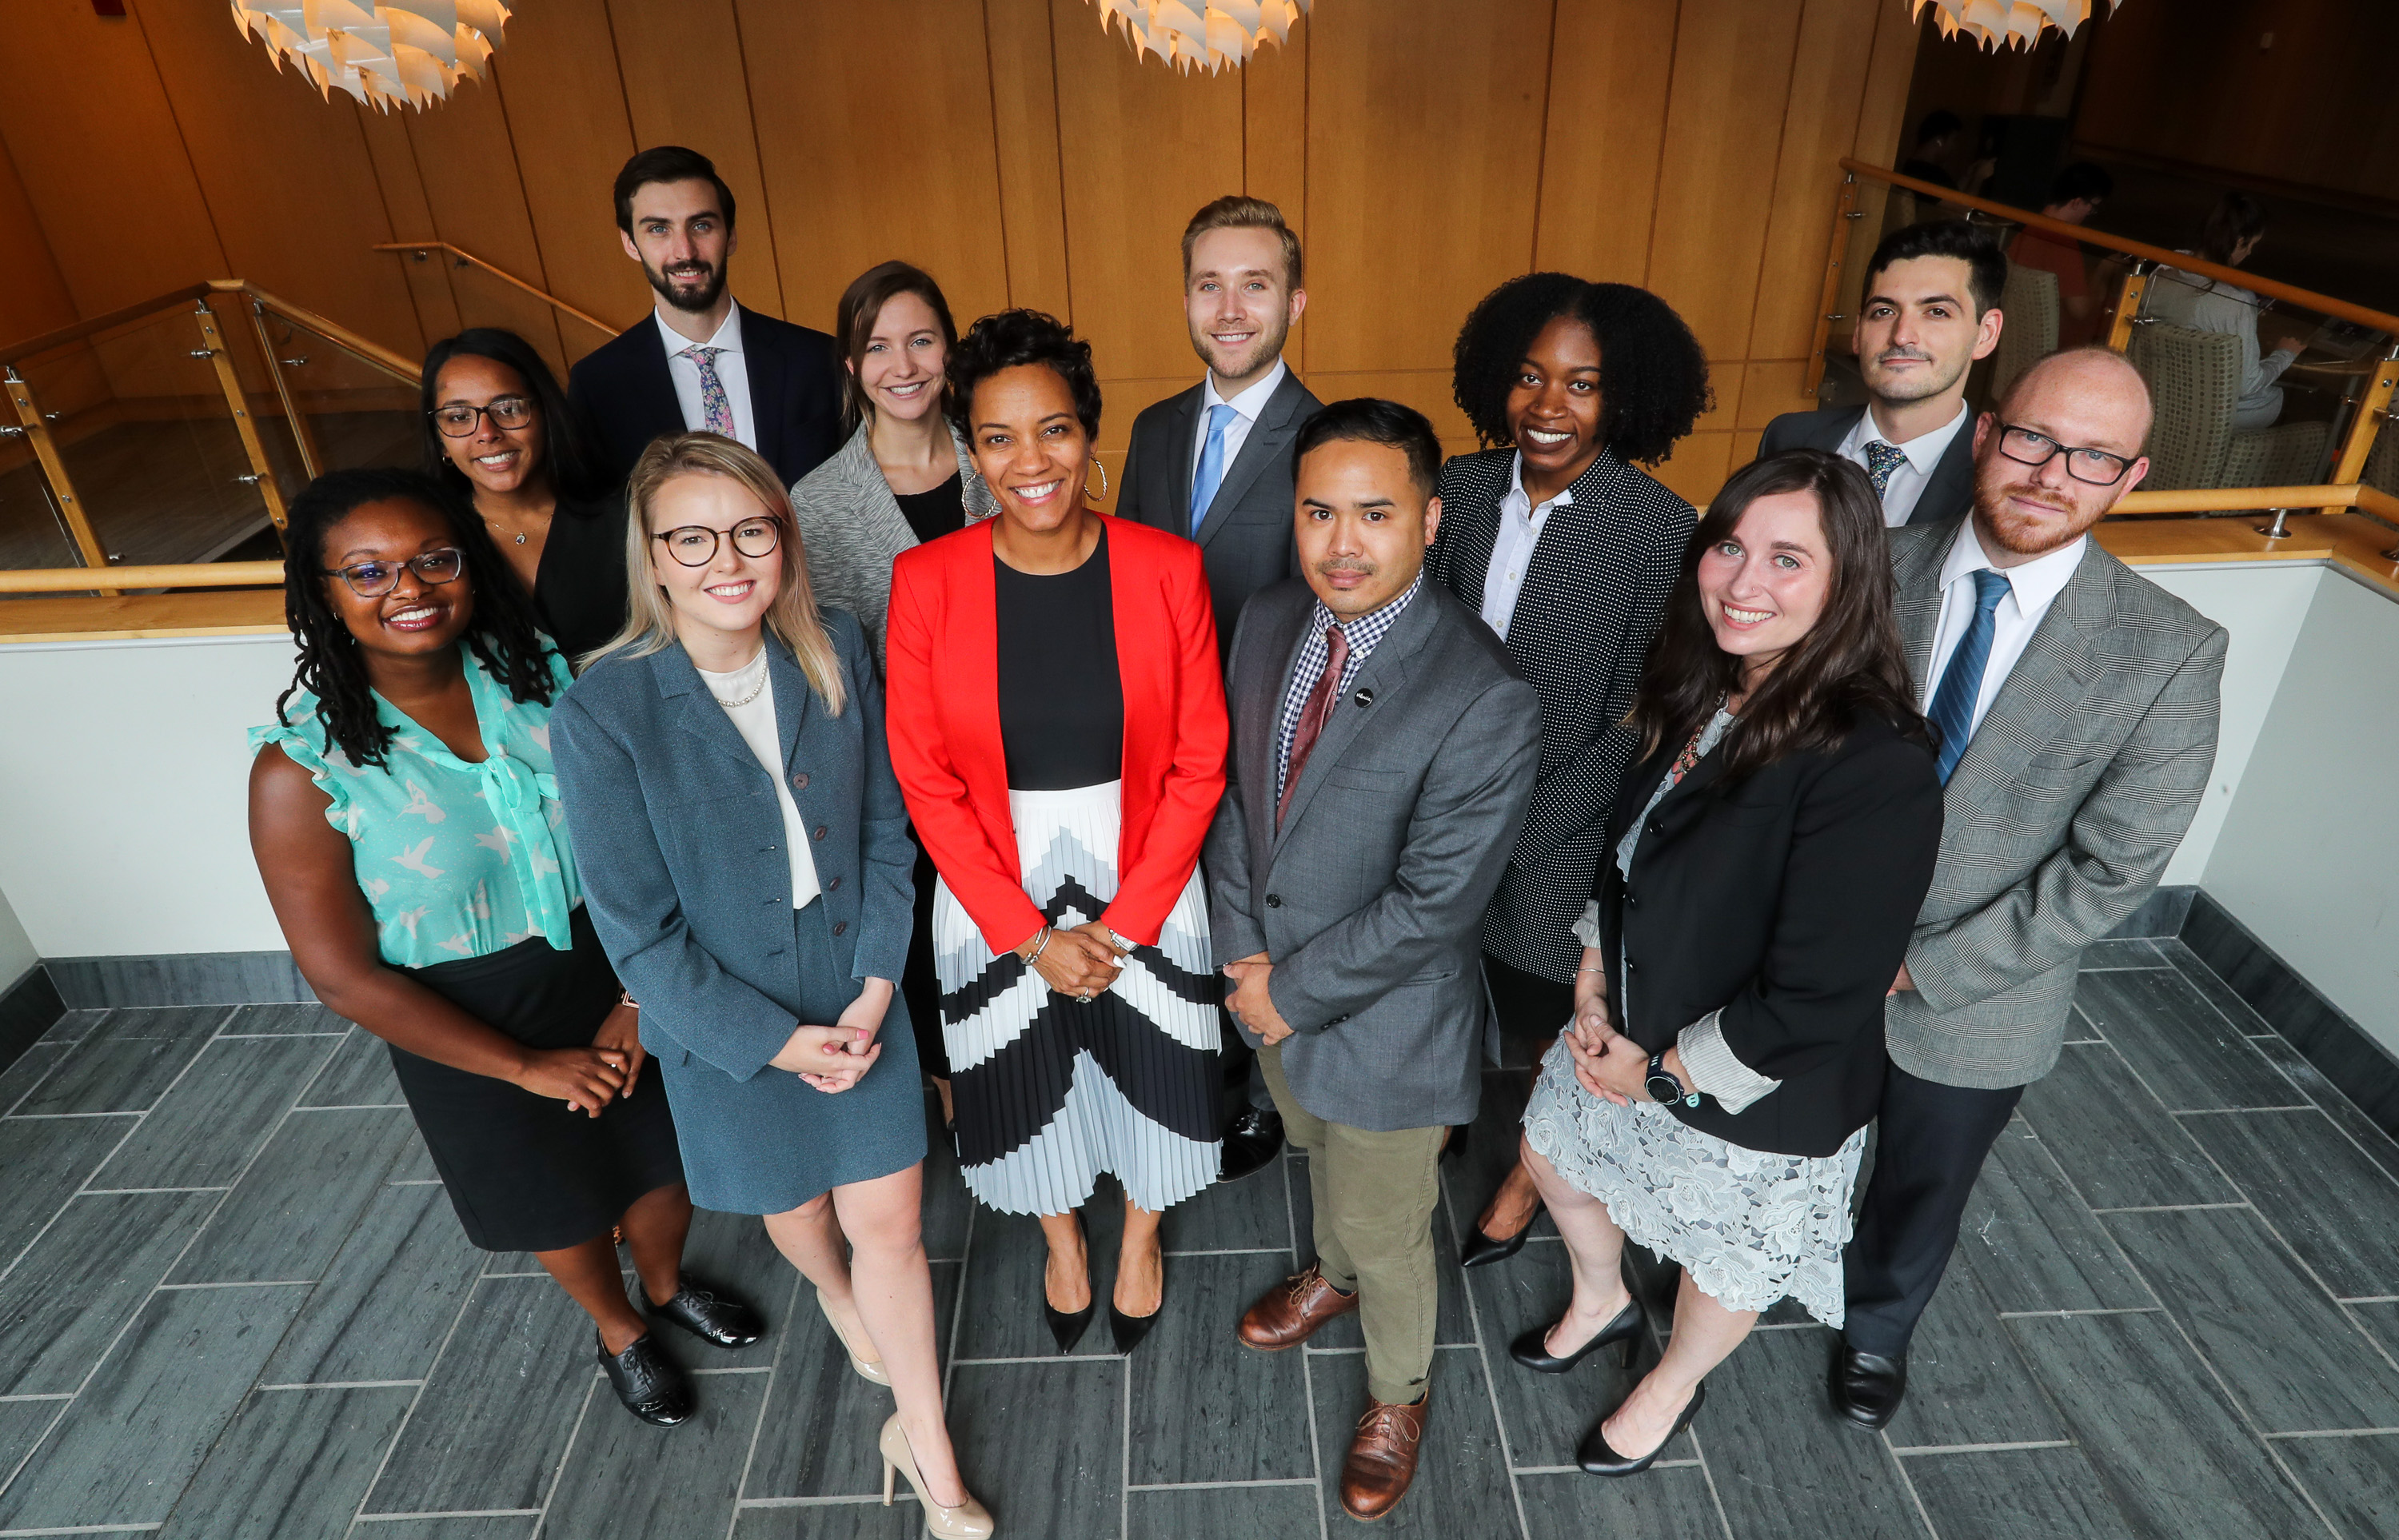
[(730, 369), (1511, 549), (755, 723), (1246, 407), (2032, 589), (1909, 479)]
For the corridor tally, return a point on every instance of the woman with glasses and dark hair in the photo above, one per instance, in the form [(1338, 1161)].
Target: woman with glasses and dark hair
[(1766, 860), (499, 433), (407, 827), (747, 858), (1059, 728)]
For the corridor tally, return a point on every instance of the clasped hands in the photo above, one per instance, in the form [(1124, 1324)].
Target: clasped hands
[(1081, 962), (1608, 1063), (833, 1058), (1250, 1003)]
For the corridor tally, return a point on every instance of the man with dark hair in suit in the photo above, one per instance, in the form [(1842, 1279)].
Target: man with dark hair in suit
[(1929, 309), (2077, 704), (702, 362), (1214, 463), (1384, 751)]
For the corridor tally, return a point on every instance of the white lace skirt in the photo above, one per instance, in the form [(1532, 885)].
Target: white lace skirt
[(1750, 1227)]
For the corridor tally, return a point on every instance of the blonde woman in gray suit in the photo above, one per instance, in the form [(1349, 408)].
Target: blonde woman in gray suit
[(903, 478)]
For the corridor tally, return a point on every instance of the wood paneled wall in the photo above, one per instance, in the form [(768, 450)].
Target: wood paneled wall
[(1425, 148)]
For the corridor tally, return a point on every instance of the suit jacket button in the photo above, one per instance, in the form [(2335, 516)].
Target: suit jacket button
[(1274, 900), (832, 884), (839, 926), (818, 832), (800, 781), (1632, 966), (1632, 902)]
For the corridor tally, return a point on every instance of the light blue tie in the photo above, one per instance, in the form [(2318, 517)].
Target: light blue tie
[(1953, 704), (1212, 465)]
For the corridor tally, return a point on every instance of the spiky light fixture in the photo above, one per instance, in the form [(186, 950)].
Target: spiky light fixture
[(2016, 23), (404, 52), (1208, 34)]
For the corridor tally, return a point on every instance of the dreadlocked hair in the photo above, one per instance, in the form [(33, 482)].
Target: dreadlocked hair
[(502, 633)]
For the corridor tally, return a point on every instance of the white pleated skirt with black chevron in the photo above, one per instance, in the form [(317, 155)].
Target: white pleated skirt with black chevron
[(1051, 1091)]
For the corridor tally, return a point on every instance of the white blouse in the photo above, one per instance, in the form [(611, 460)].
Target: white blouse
[(754, 720)]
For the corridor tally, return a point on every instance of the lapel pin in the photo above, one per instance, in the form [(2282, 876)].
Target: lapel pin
[(1365, 697)]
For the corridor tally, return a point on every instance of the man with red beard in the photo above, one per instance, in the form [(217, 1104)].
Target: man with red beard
[(2077, 708)]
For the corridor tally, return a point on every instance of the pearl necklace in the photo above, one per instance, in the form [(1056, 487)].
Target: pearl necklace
[(755, 690)]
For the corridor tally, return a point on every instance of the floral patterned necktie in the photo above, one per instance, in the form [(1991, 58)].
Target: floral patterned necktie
[(715, 404), (1881, 461)]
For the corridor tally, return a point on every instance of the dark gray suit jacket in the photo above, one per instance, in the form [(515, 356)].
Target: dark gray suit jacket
[(1369, 900), (1950, 493), (1246, 537), (2060, 816)]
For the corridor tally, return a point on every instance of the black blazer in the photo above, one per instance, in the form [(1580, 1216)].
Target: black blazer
[(1245, 540), (1786, 901), (579, 589), (1950, 493), (1589, 609), (625, 389)]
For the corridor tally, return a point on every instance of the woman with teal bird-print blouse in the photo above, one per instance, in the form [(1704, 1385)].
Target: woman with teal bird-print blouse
[(408, 829)]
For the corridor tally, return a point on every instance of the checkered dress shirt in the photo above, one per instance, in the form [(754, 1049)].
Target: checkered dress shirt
[(1363, 634)]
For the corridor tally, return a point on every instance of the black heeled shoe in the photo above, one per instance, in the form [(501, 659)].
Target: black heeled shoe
[(1128, 1331), (1069, 1329), (1532, 1349), (1597, 1458), (1480, 1250)]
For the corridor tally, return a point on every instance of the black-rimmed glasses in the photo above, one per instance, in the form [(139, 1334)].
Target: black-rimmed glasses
[(2096, 467), (457, 420), (374, 579), (694, 545)]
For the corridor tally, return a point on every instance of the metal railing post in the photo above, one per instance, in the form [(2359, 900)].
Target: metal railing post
[(54, 471), (303, 436), (261, 475), (1845, 208), (2359, 445)]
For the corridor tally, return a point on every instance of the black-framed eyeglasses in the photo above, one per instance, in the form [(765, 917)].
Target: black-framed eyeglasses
[(457, 420), (374, 579), (694, 545), (2096, 467)]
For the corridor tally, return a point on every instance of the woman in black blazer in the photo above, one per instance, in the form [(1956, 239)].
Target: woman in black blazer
[(1767, 858)]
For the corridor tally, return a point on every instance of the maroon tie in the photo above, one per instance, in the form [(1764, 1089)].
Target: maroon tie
[(1312, 715)]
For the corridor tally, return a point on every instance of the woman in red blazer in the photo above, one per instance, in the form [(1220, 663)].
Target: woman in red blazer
[(1057, 723)]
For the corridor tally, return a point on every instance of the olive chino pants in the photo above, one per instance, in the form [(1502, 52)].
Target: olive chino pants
[(1373, 1196)]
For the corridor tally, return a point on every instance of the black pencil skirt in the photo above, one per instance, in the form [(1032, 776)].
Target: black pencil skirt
[(525, 1172)]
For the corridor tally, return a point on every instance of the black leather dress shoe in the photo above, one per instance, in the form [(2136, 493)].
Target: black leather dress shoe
[(648, 1383), (1251, 1140), (1867, 1387), (713, 1318)]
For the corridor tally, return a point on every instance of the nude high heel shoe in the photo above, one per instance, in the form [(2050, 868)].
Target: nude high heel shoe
[(969, 1520), (868, 1369)]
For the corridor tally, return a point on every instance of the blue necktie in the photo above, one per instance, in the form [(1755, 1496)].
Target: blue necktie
[(1953, 704), (1212, 464)]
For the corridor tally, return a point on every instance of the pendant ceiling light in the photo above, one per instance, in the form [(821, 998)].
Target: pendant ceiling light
[(2017, 23), (386, 55), (1207, 34)]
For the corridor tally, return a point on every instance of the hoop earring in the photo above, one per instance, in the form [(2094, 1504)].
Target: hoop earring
[(1103, 481)]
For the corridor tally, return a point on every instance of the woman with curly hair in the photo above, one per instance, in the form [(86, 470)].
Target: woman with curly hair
[(405, 817), (1058, 727), (1568, 551)]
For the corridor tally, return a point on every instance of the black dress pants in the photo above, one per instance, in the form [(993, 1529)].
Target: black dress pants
[(1930, 1142)]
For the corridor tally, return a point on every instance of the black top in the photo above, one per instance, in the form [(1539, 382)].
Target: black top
[(1061, 697), (579, 589), (1786, 901), (942, 510)]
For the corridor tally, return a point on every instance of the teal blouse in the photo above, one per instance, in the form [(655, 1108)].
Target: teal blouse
[(456, 860)]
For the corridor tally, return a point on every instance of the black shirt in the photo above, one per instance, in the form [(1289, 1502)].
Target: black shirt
[(579, 589), (1061, 697), (936, 512)]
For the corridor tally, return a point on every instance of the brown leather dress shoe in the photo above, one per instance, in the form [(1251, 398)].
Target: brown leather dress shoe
[(1383, 1458), (1289, 1314)]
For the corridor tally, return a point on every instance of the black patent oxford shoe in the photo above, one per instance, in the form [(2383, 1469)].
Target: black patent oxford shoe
[(1866, 1388), (1251, 1140), (714, 1318), (648, 1383)]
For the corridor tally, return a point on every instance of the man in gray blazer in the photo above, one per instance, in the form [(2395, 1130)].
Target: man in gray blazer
[(1212, 464), (1383, 755), (2077, 705), (1930, 308)]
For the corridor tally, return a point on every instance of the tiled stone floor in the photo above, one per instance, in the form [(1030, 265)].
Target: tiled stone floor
[(237, 1307)]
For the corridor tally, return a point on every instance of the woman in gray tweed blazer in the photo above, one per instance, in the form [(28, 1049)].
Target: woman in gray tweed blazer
[(903, 478)]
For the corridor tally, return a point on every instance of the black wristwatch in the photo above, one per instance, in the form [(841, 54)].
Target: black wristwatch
[(1663, 1087)]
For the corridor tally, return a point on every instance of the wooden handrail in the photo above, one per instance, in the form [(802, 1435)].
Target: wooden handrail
[(2324, 304), (2351, 494), (97, 324), (500, 273), (201, 575), (340, 336)]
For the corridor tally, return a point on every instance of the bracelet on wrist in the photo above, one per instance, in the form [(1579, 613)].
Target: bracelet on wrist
[(1041, 944)]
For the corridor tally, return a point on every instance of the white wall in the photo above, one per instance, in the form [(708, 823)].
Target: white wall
[(123, 774), (16, 954), (2308, 856)]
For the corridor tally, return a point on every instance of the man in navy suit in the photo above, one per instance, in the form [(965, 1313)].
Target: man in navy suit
[(701, 361), (1930, 308)]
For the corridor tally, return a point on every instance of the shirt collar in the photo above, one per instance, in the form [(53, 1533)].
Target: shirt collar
[(1923, 452), (727, 338), (1250, 402), (2035, 584), (1367, 629), (1521, 501)]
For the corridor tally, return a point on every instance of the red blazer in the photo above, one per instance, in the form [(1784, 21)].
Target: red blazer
[(943, 716)]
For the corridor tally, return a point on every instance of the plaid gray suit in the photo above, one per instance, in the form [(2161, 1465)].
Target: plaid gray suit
[(2060, 816)]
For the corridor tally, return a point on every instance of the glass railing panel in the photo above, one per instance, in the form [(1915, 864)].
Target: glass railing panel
[(485, 298), (352, 409)]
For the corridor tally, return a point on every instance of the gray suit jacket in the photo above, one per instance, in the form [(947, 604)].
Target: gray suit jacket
[(1950, 493), (1369, 900), (2060, 816), (1246, 538), (852, 529)]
